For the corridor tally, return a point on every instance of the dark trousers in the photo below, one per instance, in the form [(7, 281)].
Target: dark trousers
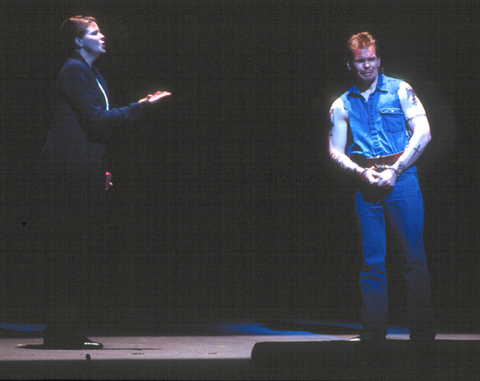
[(73, 237)]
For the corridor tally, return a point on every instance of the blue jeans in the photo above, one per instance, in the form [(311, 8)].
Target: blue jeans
[(403, 209)]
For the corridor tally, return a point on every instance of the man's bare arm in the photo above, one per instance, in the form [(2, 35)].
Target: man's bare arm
[(338, 138), (417, 123)]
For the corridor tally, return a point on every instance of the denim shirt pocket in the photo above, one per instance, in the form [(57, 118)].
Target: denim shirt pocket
[(393, 119)]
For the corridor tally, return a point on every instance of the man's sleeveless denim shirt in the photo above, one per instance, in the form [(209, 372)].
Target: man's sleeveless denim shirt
[(377, 127)]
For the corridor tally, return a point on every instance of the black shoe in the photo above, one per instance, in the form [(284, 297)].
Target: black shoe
[(356, 338), (90, 344), (72, 344), (57, 338), (422, 336), (368, 338)]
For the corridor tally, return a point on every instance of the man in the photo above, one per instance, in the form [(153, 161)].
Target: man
[(379, 128)]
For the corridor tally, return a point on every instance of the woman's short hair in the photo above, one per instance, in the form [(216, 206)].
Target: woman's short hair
[(75, 27)]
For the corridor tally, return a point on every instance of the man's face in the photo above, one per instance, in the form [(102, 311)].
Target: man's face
[(365, 65)]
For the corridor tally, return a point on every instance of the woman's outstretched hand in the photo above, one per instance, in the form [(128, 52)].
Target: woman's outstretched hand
[(152, 99)]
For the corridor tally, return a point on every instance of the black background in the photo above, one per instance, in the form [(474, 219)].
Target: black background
[(225, 203)]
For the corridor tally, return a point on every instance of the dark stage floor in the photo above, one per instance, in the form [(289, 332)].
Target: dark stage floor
[(224, 350)]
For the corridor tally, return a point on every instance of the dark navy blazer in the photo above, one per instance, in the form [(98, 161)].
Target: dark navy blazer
[(73, 153)]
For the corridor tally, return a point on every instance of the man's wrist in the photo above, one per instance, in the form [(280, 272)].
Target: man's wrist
[(358, 171), (397, 172), (361, 172)]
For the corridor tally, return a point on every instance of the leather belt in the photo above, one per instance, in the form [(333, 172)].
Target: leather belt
[(379, 162)]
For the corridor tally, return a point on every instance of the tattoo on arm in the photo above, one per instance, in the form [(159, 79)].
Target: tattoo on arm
[(417, 151), (414, 117), (338, 159), (330, 114), (411, 94)]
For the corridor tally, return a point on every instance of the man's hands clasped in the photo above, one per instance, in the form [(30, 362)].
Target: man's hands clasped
[(384, 179)]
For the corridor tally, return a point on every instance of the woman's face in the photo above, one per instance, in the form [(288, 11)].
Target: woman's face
[(92, 42)]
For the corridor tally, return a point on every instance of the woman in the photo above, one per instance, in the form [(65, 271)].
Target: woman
[(74, 173)]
